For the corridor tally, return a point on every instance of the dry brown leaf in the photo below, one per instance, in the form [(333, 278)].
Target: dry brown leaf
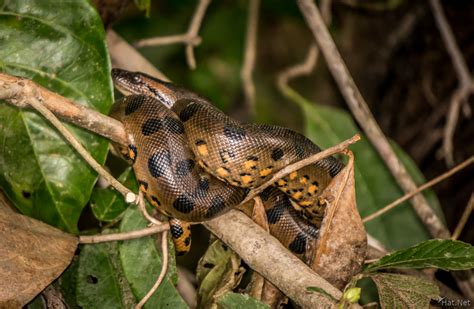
[(32, 255), (342, 243)]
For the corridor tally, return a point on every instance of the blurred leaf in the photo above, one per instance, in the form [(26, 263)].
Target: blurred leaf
[(100, 279), (143, 5), (236, 300), (402, 291), (218, 272), (107, 204), (375, 186), (32, 255), (141, 261), (438, 253), (60, 45)]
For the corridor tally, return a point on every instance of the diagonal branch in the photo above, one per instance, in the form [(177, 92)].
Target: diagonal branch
[(466, 83), (364, 117)]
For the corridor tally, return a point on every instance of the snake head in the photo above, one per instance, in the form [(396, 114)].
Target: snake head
[(129, 83)]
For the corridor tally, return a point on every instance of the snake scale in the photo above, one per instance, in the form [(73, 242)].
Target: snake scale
[(193, 162)]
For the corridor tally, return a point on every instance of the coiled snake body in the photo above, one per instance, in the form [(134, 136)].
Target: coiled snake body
[(194, 163)]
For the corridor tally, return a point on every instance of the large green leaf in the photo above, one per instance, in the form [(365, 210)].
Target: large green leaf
[(107, 204), (141, 262), (100, 282), (439, 253), (60, 45), (402, 291), (375, 186)]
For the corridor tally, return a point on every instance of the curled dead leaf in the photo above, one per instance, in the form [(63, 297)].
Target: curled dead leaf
[(342, 243), (32, 255)]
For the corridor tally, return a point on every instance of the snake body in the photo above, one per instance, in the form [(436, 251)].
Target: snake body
[(193, 162)]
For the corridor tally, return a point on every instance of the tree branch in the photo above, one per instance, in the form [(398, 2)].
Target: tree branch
[(364, 117)]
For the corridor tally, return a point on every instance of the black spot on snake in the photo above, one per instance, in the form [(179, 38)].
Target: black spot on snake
[(185, 167), (217, 205), (298, 245), (252, 158), (151, 126), (200, 142), (277, 154), (159, 163), (188, 112), (187, 241), (274, 214), (234, 132), (176, 231), (183, 204), (156, 200), (133, 104), (265, 195), (172, 125), (299, 149), (202, 187)]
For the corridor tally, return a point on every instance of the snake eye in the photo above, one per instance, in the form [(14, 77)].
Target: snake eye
[(136, 78)]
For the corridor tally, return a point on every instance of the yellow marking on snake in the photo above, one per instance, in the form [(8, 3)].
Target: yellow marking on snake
[(297, 195), (249, 164), (303, 180), (282, 182), (246, 179), (222, 172), (265, 172), (293, 175), (312, 189), (202, 150), (305, 203)]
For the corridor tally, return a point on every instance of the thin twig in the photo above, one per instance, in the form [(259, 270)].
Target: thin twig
[(95, 239), (466, 85), (427, 185), (465, 215), (250, 53), (300, 164), (190, 38), (365, 118), (307, 66), (36, 103), (142, 207), (164, 269)]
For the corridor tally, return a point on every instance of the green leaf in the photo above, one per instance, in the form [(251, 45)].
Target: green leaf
[(375, 186), (60, 45), (100, 281), (236, 300), (438, 253), (218, 272), (107, 204), (142, 262), (402, 291)]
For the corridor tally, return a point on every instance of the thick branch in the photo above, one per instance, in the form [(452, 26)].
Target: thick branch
[(364, 117), (270, 259)]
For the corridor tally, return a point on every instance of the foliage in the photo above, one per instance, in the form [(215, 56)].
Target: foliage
[(45, 179)]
